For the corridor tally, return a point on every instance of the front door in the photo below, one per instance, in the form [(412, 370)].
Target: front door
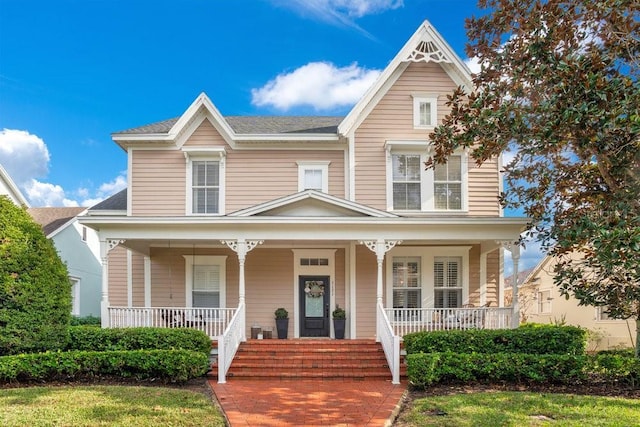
[(314, 306)]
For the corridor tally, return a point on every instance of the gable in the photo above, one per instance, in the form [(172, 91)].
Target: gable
[(311, 208), (205, 135)]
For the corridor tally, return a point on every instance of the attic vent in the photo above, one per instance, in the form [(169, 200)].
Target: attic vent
[(314, 261), (427, 51)]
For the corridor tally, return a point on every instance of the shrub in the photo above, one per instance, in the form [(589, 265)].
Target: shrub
[(166, 365), (85, 321), (607, 367), (547, 339), (35, 291), (426, 369), (88, 338)]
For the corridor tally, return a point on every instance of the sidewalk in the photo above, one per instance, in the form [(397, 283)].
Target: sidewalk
[(309, 402)]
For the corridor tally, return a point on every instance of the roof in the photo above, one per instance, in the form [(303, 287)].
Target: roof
[(117, 202), (256, 125), (522, 275), (51, 219)]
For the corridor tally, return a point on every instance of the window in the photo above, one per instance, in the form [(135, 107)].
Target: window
[(314, 261), (205, 281), (406, 182), (425, 111), (313, 176), (447, 184), (544, 302), (205, 187), (447, 282), (75, 296), (406, 282), (602, 315)]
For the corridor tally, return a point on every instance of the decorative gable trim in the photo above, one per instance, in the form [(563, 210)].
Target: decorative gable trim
[(315, 195), (426, 45)]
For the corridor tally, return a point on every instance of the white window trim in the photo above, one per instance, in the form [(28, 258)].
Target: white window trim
[(418, 99), (200, 155), (427, 257), (599, 319), (304, 166), (190, 261), (75, 290), (427, 179), (548, 303)]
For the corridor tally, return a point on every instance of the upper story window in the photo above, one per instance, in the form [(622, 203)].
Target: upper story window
[(205, 187), (313, 176), (447, 181), (411, 187), (406, 181), (425, 114)]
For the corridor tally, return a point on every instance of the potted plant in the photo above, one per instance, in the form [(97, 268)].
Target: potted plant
[(339, 320), (282, 323)]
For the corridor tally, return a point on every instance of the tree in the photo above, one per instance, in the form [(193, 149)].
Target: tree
[(558, 90), (35, 291)]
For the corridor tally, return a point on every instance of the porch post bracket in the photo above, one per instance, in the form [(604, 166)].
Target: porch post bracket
[(112, 243), (241, 246), (514, 248)]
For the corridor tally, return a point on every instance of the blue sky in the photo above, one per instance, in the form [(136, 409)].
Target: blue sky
[(74, 71)]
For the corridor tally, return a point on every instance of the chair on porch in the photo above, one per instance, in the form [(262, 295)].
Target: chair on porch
[(173, 318)]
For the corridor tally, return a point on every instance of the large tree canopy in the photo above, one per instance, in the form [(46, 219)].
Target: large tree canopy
[(558, 90)]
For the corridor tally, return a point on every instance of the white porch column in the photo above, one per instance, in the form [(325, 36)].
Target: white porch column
[(242, 247), (105, 247), (514, 248), (380, 247)]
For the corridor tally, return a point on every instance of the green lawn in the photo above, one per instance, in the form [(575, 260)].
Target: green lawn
[(494, 409), (106, 406)]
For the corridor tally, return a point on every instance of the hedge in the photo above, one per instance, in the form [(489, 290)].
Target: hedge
[(85, 321), (424, 369), (88, 338), (165, 365), (544, 339)]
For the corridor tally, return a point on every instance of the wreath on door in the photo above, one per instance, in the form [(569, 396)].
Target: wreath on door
[(314, 289)]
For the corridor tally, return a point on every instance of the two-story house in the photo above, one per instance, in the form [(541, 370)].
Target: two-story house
[(227, 218)]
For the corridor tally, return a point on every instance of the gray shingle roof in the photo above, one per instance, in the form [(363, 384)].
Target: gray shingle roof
[(257, 125), (117, 202)]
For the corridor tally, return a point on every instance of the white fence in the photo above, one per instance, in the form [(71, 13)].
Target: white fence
[(212, 321), (407, 320), (228, 344), (390, 343)]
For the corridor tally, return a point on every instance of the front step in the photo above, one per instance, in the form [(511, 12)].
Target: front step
[(320, 359)]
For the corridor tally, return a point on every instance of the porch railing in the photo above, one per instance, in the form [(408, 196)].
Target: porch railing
[(390, 343), (407, 320), (212, 321), (229, 342)]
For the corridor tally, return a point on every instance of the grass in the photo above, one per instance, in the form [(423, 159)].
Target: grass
[(106, 406), (494, 409)]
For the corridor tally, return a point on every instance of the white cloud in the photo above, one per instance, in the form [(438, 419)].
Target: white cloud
[(473, 64), (333, 87), (25, 157)]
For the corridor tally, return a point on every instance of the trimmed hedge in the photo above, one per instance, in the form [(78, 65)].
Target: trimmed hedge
[(615, 368), (166, 365), (426, 369), (543, 339), (88, 338), (85, 321)]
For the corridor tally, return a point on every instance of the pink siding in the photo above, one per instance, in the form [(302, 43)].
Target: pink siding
[(206, 136), (137, 273), (493, 275), (474, 276), (392, 119), (118, 277), (158, 183), (339, 278), (366, 282), (256, 176)]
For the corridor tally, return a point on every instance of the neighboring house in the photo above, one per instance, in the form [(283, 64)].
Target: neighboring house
[(79, 248), (233, 217), (9, 188), (541, 302)]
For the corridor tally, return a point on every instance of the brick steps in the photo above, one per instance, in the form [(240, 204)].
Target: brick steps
[(309, 359)]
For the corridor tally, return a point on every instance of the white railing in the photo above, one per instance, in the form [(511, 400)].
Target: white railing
[(229, 342), (212, 321), (390, 343), (407, 320)]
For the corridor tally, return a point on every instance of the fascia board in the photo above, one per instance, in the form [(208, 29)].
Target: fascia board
[(299, 137), (13, 187)]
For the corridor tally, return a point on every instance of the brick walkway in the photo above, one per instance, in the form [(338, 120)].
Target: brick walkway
[(308, 403)]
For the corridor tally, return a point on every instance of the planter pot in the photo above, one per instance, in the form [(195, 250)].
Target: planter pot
[(338, 327), (282, 325)]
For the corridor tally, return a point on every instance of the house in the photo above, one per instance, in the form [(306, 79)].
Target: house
[(227, 218), (10, 189), (78, 246), (540, 301)]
